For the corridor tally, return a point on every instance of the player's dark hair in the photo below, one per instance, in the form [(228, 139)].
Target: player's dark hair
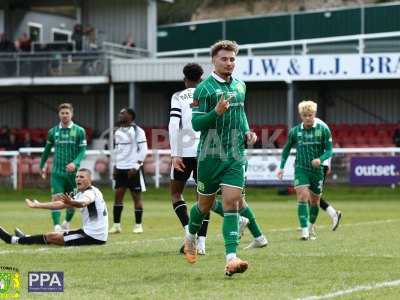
[(65, 106), (193, 72), (131, 112)]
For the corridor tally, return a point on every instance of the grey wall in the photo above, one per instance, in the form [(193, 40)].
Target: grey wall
[(349, 104), (118, 20), (48, 21)]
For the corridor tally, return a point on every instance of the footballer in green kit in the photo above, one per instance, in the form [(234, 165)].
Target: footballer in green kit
[(218, 113), (313, 142), (69, 142)]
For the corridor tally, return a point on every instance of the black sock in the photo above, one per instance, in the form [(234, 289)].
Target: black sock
[(323, 204), (33, 239), (204, 226), (180, 209), (138, 215), (117, 211)]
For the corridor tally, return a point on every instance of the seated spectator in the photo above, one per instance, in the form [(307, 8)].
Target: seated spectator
[(5, 137), (26, 142), (129, 42), (396, 135)]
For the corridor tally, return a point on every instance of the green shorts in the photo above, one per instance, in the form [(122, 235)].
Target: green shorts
[(213, 172), (62, 183), (314, 180)]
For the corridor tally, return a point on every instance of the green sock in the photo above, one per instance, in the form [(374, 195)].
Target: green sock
[(253, 226), (195, 219), (314, 209), (302, 212), (217, 207), (56, 216), (69, 214), (230, 231)]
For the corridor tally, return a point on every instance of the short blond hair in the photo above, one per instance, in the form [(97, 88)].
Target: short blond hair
[(224, 45), (307, 106)]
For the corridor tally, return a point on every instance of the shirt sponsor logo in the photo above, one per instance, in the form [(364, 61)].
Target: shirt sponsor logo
[(200, 185)]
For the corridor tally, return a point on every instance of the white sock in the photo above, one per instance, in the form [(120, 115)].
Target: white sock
[(230, 256), (191, 237), (304, 231), (186, 229), (331, 211), (201, 240), (14, 240)]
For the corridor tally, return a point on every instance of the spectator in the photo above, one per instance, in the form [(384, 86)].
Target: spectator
[(396, 135), (24, 43), (5, 137), (5, 44), (26, 141), (77, 36), (7, 67), (129, 42)]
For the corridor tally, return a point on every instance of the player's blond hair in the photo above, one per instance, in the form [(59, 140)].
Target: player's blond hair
[(224, 45), (307, 106)]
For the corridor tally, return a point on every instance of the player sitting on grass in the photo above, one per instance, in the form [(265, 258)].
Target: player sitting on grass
[(94, 214)]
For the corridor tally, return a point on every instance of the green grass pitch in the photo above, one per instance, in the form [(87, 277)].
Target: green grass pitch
[(356, 261)]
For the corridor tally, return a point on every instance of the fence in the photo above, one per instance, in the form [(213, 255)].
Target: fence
[(20, 169)]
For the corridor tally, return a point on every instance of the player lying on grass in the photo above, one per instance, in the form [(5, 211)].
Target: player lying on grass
[(313, 143), (94, 215)]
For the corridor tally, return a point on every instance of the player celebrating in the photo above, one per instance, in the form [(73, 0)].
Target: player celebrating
[(94, 215), (184, 141), (313, 143), (218, 113), (69, 142)]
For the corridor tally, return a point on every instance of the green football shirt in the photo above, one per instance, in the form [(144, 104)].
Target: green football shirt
[(221, 136), (69, 146), (310, 143)]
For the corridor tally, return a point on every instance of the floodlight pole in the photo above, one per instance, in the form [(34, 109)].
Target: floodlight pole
[(290, 104), (111, 128)]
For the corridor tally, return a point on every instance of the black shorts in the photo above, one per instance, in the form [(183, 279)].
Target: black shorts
[(190, 167), (326, 168), (135, 183), (79, 238)]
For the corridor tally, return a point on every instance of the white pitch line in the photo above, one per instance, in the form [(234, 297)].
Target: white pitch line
[(355, 289), (29, 251)]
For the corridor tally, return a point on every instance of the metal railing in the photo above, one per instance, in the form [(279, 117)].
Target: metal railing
[(157, 165), (359, 43), (119, 51), (44, 64)]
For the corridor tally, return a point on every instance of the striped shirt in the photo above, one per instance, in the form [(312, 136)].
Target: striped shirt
[(69, 146), (221, 136), (310, 143), (182, 138)]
